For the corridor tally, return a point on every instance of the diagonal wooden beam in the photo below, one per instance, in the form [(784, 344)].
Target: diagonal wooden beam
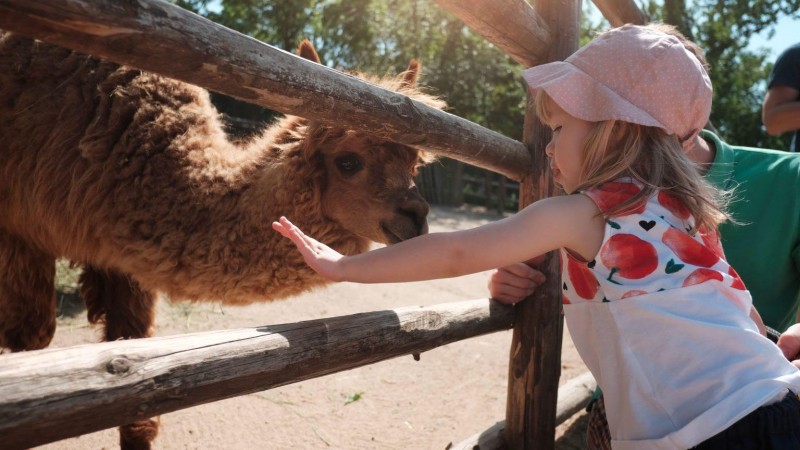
[(513, 26), (620, 12), (163, 38)]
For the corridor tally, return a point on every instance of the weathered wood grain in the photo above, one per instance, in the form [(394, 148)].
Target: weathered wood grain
[(511, 25), (620, 12), (48, 395), (163, 38), (573, 396), (535, 361)]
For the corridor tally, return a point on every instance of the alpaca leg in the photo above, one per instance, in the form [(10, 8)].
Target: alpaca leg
[(127, 312), (27, 296)]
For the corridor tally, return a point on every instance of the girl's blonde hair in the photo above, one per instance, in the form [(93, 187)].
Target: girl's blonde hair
[(617, 149)]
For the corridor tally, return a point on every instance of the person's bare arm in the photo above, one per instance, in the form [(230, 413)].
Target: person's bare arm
[(789, 343), (566, 221), (756, 317), (781, 109)]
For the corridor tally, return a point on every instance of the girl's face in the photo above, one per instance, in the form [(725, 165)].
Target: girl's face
[(566, 147)]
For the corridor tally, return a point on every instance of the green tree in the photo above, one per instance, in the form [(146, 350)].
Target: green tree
[(724, 29), (478, 81)]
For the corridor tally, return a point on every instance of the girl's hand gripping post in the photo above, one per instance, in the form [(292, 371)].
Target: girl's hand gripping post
[(323, 259)]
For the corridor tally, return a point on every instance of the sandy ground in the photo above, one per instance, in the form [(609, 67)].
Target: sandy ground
[(447, 396)]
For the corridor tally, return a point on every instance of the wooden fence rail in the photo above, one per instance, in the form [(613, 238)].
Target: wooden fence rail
[(48, 395), (513, 26), (163, 38), (573, 396)]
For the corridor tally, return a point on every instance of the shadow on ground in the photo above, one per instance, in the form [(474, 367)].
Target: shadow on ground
[(69, 304)]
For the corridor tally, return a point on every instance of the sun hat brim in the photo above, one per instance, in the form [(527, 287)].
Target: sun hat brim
[(584, 97)]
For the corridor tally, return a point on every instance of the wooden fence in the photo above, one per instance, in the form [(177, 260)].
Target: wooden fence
[(53, 394)]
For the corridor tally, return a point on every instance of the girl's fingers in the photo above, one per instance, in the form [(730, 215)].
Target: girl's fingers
[(277, 226), (286, 228), (509, 292)]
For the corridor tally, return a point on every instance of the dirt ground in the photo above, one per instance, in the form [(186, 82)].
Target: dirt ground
[(452, 393)]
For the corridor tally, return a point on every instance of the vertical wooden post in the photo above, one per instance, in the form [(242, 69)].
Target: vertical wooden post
[(535, 360)]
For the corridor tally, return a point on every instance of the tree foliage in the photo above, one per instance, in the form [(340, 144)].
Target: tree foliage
[(480, 83), (724, 29)]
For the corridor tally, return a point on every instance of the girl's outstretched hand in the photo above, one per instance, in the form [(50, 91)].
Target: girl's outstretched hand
[(323, 259)]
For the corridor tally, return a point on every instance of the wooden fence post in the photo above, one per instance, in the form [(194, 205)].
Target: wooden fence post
[(535, 360)]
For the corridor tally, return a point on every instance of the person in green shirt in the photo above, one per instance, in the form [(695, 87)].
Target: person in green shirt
[(765, 244)]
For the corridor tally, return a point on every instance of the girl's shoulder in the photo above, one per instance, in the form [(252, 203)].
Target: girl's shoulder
[(574, 221), (610, 195), (621, 197)]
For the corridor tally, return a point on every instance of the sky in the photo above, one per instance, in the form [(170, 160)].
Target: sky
[(787, 32)]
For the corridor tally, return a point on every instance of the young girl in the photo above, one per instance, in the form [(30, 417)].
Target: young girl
[(655, 311)]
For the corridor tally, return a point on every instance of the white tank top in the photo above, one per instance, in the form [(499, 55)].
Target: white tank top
[(662, 322)]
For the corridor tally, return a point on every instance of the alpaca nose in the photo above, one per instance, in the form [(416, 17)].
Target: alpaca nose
[(415, 207)]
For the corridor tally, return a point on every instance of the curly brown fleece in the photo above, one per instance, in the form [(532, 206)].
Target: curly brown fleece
[(131, 175)]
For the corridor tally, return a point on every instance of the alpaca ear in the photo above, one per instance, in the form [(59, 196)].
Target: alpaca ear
[(317, 135), (306, 50), (409, 77)]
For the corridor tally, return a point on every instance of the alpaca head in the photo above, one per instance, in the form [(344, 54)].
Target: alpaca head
[(366, 183)]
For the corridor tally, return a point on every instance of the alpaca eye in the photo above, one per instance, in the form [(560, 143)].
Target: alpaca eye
[(349, 164)]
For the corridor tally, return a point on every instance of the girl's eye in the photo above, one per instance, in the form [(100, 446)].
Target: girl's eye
[(556, 130)]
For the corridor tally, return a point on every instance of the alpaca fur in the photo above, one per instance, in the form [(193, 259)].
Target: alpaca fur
[(131, 176)]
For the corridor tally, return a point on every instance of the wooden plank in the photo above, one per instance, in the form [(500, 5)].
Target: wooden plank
[(535, 360), (620, 12), (163, 38), (511, 25), (53, 394), (489, 439), (572, 397)]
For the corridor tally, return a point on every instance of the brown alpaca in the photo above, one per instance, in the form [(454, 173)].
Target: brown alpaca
[(131, 175)]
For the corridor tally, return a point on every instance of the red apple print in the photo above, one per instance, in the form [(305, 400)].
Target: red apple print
[(582, 278), (700, 276), (564, 299), (737, 281), (689, 250), (674, 205), (633, 293), (613, 193), (628, 256), (711, 239)]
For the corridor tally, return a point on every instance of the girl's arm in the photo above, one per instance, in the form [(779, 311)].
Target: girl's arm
[(569, 221), (756, 317)]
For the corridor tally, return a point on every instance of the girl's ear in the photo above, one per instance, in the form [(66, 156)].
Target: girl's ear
[(410, 76)]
